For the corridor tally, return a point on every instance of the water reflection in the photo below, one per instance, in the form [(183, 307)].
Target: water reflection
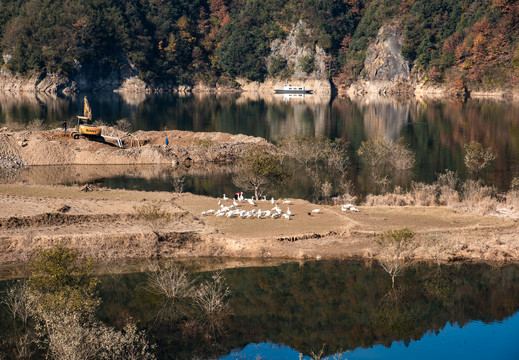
[(330, 306), (338, 305), (435, 130)]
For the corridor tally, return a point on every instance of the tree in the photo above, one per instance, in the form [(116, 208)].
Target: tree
[(62, 298), (307, 63), (257, 169), (477, 158), (394, 246)]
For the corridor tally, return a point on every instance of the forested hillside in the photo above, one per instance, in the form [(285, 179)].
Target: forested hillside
[(470, 43)]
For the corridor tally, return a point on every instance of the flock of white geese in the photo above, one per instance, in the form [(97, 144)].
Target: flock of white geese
[(230, 210)]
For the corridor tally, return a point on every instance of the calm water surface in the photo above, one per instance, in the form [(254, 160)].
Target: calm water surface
[(435, 130), (341, 309)]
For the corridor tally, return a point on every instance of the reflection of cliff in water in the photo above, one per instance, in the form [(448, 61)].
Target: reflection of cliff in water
[(383, 116), (306, 115), (344, 305)]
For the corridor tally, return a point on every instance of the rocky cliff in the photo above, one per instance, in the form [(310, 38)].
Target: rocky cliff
[(286, 60), (385, 69)]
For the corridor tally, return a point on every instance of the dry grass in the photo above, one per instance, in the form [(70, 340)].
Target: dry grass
[(471, 196)]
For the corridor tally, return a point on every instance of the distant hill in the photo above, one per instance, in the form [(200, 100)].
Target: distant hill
[(459, 43)]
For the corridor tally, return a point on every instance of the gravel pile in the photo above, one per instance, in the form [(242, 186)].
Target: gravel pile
[(9, 154)]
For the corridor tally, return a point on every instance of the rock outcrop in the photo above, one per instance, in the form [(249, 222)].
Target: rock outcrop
[(87, 77), (290, 52), (386, 70)]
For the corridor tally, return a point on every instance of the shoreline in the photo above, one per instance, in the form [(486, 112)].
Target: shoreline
[(103, 224), (54, 84)]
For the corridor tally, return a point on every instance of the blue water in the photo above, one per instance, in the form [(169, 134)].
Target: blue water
[(475, 340)]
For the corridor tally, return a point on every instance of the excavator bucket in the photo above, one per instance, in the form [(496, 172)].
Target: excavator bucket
[(87, 112)]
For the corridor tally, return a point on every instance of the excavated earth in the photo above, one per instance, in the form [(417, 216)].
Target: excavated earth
[(19, 148)]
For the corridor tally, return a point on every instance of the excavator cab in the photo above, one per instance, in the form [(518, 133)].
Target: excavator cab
[(84, 123)]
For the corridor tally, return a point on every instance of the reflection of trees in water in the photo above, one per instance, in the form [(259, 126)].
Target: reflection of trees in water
[(21, 108), (332, 303), (395, 315)]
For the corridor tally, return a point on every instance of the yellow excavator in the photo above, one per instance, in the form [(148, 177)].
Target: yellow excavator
[(84, 125)]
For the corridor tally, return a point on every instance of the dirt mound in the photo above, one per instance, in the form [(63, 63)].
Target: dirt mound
[(10, 156), (142, 147), (59, 218)]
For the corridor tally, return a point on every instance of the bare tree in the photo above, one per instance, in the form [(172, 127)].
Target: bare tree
[(211, 298), (394, 248), (170, 280)]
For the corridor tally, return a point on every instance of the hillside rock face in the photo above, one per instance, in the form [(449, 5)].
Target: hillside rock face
[(384, 60), (386, 70), (291, 51)]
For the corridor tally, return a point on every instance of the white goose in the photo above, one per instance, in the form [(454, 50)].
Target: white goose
[(276, 209)]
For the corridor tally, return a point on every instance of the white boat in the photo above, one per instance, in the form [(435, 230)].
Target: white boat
[(289, 89)]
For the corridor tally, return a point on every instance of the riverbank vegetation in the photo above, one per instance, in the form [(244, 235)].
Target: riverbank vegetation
[(53, 312), (462, 43)]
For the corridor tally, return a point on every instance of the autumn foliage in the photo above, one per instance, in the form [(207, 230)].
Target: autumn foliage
[(464, 43)]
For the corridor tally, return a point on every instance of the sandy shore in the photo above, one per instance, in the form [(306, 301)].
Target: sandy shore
[(104, 224)]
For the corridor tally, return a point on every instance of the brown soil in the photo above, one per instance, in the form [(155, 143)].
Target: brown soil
[(103, 224), (142, 147)]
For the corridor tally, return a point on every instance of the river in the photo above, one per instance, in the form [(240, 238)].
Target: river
[(434, 130), (338, 309)]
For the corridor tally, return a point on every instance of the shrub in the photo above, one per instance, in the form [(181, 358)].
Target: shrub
[(307, 63), (62, 299), (449, 179), (424, 194), (377, 153), (393, 253), (399, 237), (257, 169), (154, 216), (124, 125), (477, 197), (477, 158)]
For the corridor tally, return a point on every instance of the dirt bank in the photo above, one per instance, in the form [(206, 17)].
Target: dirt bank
[(104, 224), (186, 148)]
